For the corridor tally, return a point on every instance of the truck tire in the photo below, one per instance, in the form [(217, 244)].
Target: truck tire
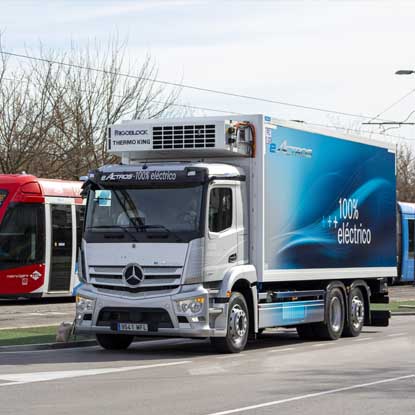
[(332, 328), (114, 341), (306, 331), (356, 313), (237, 326)]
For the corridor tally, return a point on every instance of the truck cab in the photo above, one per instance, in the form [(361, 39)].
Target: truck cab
[(159, 239)]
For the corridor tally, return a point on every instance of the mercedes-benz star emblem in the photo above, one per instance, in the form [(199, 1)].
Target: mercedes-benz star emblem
[(133, 275)]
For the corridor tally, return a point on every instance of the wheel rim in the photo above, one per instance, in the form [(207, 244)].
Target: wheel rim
[(238, 324), (357, 312), (335, 314)]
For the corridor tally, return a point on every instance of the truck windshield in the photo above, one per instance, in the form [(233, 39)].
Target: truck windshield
[(141, 213), (22, 235)]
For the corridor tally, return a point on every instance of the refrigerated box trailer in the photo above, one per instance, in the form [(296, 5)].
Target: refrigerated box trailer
[(220, 227)]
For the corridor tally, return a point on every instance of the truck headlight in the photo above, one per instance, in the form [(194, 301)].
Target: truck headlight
[(190, 306), (84, 305)]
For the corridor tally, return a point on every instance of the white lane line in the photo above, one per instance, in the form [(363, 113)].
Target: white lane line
[(286, 349), (364, 339), (310, 395), (22, 378), (207, 370), (228, 356), (319, 344), (397, 334)]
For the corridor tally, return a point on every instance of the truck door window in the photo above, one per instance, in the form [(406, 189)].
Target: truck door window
[(220, 209)]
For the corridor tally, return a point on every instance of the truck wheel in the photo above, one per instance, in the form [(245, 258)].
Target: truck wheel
[(356, 314), (114, 341), (332, 328), (306, 331), (238, 327)]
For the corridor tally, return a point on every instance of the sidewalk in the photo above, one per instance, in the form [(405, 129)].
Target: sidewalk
[(402, 293), (28, 314)]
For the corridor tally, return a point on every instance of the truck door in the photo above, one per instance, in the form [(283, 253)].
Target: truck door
[(222, 239)]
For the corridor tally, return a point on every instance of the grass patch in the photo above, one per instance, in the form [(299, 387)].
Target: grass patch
[(395, 306), (33, 335)]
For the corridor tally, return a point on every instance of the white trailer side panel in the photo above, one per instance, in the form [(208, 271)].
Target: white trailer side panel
[(329, 205)]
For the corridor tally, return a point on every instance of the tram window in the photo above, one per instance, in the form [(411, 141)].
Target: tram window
[(22, 235), (411, 244)]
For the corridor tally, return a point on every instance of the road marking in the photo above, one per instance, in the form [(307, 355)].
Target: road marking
[(319, 344), (397, 334), (364, 339), (230, 355), (22, 378), (286, 349), (207, 370), (310, 395)]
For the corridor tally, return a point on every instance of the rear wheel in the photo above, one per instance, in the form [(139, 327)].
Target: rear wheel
[(332, 328), (114, 341), (238, 327), (356, 313)]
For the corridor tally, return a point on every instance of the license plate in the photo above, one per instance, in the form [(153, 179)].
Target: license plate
[(132, 327)]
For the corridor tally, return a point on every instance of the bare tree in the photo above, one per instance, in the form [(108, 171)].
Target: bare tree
[(54, 117), (405, 166)]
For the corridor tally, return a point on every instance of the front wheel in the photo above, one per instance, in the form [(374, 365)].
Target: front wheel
[(114, 341), (237, 327)]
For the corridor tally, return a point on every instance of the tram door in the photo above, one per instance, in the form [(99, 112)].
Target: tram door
[(408, 269), (61, 250)]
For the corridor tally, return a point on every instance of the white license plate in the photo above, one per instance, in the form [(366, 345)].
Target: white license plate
[(132, 327)]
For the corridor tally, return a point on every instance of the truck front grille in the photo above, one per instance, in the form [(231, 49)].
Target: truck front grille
[(167, 288), (156, 279)]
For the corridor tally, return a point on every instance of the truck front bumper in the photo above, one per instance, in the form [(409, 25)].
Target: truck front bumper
[(160, 314)]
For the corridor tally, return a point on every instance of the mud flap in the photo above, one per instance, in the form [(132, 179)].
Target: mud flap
[(379, 318)]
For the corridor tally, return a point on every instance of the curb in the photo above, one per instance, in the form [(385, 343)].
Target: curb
[(48, 346), (60, 346), (403, 313)]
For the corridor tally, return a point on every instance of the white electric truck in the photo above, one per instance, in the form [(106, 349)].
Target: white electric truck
[(219, 227)]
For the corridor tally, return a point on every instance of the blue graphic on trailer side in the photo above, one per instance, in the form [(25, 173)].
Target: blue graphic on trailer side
[(330, 202)]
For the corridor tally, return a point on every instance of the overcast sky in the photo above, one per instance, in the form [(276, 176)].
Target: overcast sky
[(334, 55)]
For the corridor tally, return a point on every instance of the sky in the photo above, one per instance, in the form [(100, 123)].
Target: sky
[(336, 55)]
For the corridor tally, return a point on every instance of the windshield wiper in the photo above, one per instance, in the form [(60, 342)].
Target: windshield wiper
[(124, 228), (169, 231)]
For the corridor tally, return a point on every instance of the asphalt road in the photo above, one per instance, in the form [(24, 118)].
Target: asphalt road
[(371, 374)]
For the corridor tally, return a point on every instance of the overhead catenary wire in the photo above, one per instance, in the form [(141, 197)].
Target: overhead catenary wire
[(187, 86), (195, 107), (391, 106), (215, 109)]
